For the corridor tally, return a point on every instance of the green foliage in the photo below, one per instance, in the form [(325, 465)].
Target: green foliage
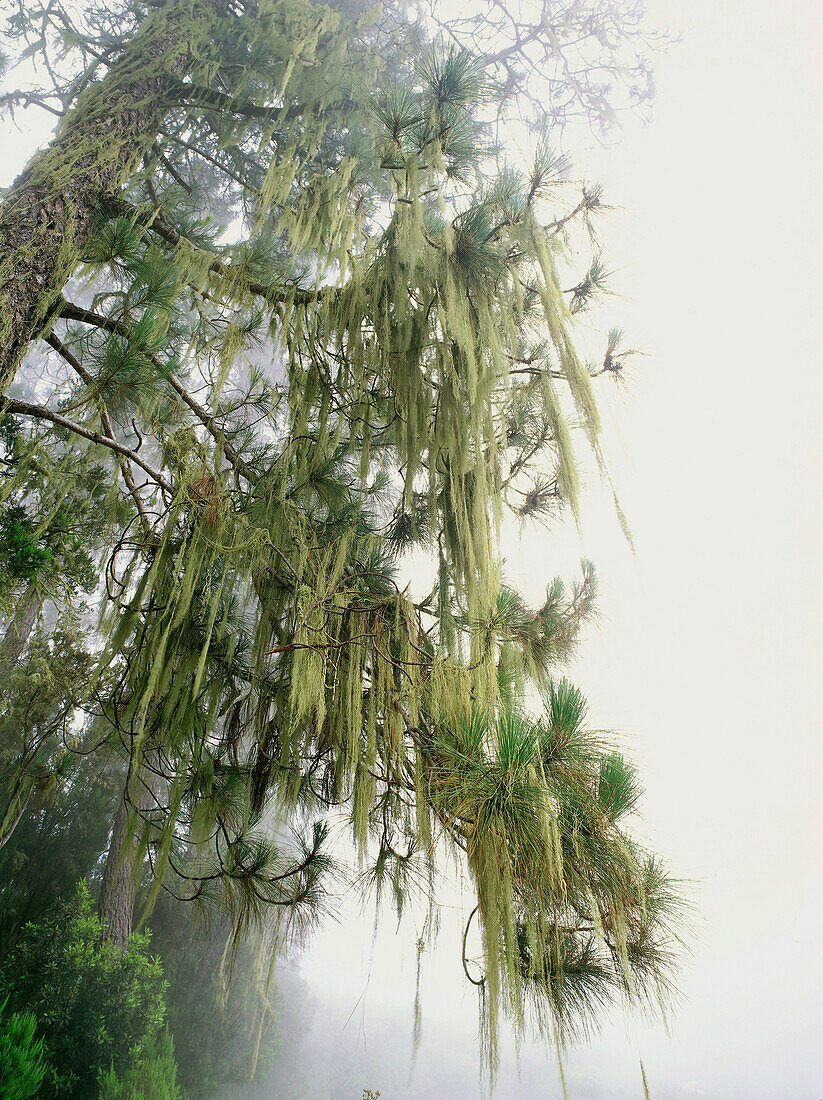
[(23, 556), (57, 841), (45, 686), (39, 699), (95, 1006), (22, 1061), (150, 1076), (618, 789), (572, 911), (50, 520)]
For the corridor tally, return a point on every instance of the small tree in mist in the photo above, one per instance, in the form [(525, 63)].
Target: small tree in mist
[(310, 319)]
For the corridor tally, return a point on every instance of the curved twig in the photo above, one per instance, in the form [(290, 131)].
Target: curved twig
[(474, 981)]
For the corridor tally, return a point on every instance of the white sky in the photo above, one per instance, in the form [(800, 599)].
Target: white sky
[(708, 655)]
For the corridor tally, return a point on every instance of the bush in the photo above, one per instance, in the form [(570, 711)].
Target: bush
[(96, 1006), (152, 1077), (22, 1063)]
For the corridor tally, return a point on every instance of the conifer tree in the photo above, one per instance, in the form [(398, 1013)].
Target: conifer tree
[(298, 300)]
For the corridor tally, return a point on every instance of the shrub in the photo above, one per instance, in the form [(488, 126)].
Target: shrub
[(96, 1006), (153, 1076), (22, 1062)]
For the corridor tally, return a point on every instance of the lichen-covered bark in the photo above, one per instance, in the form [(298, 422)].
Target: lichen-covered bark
[(118, 889), (51, 208), (124, 860)]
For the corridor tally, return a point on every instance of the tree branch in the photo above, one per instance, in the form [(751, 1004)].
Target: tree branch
[(40, 412), (274, 295), (125, 469), (474, 981), (72, 312), (211, 99), (211, 160)]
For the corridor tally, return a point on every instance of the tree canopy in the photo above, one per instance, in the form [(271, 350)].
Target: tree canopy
[(282, 313)]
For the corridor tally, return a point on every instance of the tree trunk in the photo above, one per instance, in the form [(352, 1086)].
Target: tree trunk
[(51, 209), (19, 628), (124, 860), (18, 801)]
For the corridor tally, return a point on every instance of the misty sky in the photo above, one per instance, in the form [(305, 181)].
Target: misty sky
[(708, 654)]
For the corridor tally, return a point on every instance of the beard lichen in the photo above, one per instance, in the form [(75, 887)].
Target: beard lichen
[(256, 636)]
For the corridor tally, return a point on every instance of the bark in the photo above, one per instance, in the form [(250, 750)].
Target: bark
[(52, 208), (19, 628), (124, 860), (24, 788)]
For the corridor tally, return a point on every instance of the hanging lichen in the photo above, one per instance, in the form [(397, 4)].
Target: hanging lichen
[(375, 366)]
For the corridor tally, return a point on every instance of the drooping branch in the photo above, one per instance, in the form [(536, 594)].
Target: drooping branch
[(31, 99), (200, 98), (177, 140), (273, 294), (474, 981)]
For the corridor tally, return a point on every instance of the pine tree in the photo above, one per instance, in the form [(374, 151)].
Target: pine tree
[(299, 301)]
